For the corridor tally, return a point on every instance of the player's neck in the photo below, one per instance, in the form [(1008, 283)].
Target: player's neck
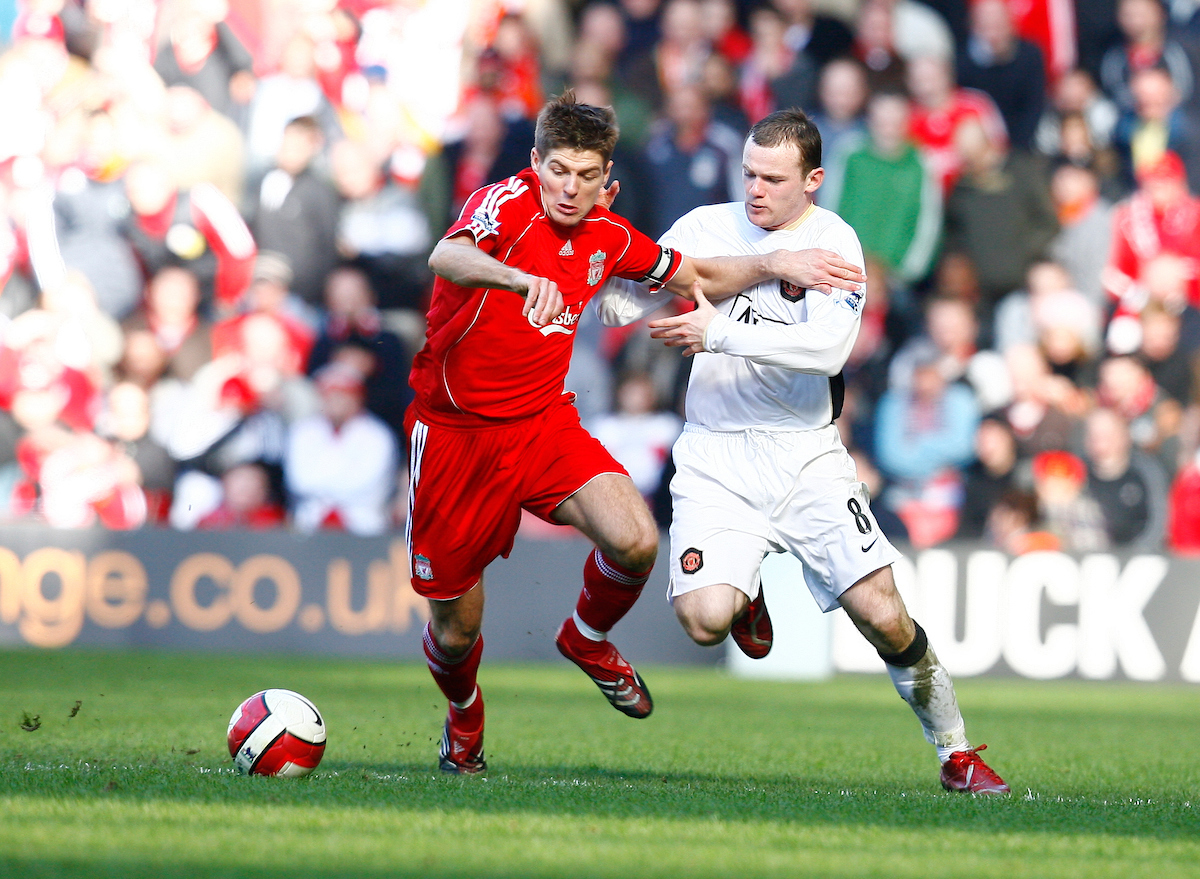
[(798, 221)]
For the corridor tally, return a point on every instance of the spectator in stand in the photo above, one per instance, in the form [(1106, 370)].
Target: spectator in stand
[(1076, 94), (639, 433), (272, 354), (1046, 408), (1085, 222), (924, 435), (340, 465), (383, 227), (840, 115), (886, 68), (1011, 70), (1156, 124), (81, 226), (719, 18), (198, 229), (354, 333), (820, 37), (125, 422), (720, 84), (1012, 523), (1145, 43), (951, 340), (490, 148), (296, 210), (203, 145), (290, 93), (1183, 524), (889, 194), (597, 46), (1160, 217), (1130, 486), (989, 478), (1068, 512), (641, 26), (202, 52), (772, 70), (87, 481), (247, 501), (271, 293), (939, 108), (219, 420), (999, 214), (85, 337), (692, 161), (919, 31), (681, 52), (509, 69), (1047, 306), (1127, 387), (170, 312), (1167, 360)]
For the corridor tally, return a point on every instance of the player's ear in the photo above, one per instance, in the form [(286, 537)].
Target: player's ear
[(814, 179), (607, 171), (534, 159)]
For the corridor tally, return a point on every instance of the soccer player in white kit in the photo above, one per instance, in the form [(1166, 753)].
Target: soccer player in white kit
[(760, 465)]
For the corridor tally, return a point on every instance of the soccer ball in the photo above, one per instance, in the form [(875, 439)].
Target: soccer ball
[(276, 732)]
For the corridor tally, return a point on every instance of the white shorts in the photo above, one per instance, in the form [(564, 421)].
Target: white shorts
[(739, 495)]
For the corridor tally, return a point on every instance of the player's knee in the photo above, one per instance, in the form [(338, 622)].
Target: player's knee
[(701, 624), (455, 639), (640, 548)]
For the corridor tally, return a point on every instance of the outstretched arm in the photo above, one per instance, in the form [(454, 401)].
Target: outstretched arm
[(461, 262), (725, 275)]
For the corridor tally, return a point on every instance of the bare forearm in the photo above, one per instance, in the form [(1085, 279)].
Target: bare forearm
[(726, 275), (468, 266), (721, 276)]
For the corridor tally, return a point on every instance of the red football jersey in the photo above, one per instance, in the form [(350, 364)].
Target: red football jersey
[(483, 361)]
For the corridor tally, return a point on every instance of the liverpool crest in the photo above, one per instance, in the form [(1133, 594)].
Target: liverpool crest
[(596, 267)]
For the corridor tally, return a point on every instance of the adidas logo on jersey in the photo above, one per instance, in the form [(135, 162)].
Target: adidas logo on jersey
[(567, 249)]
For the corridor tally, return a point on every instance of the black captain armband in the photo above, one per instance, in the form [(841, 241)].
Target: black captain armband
[(911, 654), (664, 267)]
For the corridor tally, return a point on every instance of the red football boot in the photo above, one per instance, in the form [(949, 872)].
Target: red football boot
[(461, 751), (601, 662), (966, 772), (752, 631)]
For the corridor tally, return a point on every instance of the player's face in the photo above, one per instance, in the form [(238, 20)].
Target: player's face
[(571, 182), (777, 189)]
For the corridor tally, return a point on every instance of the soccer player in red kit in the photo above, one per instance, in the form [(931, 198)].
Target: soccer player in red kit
[(492, 430)]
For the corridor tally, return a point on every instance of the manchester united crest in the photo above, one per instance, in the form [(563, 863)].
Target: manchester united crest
[(596, 267), (691, 561)]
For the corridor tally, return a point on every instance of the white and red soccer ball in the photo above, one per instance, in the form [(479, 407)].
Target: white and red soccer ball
[(276, 732)]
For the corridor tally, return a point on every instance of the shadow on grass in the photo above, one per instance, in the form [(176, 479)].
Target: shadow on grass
[(592, 792)]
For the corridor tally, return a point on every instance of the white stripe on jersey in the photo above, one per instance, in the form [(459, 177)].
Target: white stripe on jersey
[(497, 195), (727, 392), (419, 433)]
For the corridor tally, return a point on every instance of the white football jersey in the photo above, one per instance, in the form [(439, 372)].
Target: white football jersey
[(777, 351)]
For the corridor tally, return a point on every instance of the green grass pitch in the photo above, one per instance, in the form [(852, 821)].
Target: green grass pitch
[(727, 778)]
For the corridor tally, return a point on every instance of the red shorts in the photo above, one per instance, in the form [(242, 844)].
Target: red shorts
[(467, 487)]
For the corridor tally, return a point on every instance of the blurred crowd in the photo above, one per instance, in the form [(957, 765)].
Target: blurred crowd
[(215, 218)]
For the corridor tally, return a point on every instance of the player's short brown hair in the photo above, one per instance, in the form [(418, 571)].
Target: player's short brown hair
[(564, 123), (790, 126)]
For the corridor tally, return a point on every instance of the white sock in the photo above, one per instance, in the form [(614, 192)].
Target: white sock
[(587, 631), (929, 692), (467, 703)]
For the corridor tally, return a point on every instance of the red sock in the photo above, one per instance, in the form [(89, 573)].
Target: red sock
[(609, 591), (454, 676)]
